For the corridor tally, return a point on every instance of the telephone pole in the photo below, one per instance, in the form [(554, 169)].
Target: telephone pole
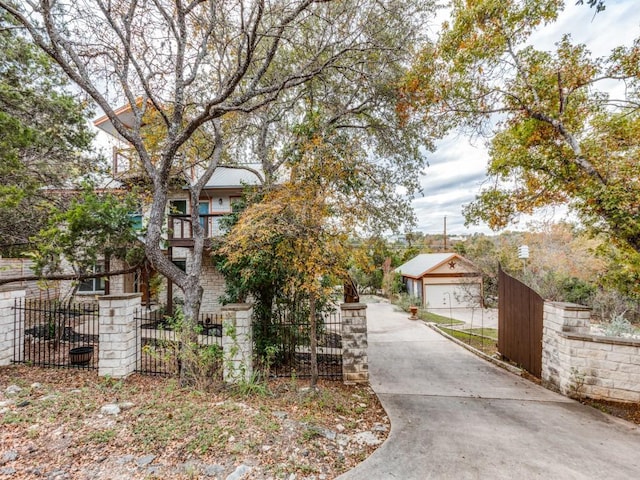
[(445, 233)]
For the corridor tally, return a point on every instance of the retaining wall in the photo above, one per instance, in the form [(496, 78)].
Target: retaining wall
[(580, 364)]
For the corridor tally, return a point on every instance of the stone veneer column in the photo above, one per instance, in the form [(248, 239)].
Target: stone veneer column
[(8, 296), (557, 359), (355, 363), (237, 342), (119, 343)]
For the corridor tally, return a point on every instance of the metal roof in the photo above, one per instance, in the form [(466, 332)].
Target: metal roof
[(234, 177), (421, 264)]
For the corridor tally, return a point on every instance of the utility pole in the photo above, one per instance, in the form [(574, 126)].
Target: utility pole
[(445, 233)]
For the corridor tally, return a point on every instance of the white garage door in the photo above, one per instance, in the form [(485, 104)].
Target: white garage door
[(465, 295)]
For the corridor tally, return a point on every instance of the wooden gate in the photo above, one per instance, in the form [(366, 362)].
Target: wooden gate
[(520, 311)]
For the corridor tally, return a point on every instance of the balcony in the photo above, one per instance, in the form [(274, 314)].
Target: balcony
[(127, 167), (181, 231)]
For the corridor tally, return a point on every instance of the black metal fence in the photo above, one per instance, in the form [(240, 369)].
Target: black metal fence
[(52, 333), (160, 339), (284, 346)]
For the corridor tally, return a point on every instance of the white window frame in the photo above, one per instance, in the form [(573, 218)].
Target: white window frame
[(96, 285)]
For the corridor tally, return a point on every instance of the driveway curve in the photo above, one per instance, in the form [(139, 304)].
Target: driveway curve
[(456, 416)]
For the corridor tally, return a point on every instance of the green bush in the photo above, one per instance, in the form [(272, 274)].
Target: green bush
[(404, 301), (619, 327)]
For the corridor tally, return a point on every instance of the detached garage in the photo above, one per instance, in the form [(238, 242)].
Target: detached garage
[(443, 280)]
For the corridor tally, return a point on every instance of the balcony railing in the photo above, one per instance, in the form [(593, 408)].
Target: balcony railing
[(124, 161), (127, 166), (181, 230)]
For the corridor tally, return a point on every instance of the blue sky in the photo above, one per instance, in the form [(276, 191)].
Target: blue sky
[(457, 168)]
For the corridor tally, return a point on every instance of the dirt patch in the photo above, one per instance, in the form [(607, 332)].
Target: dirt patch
[(626, 411), (73, 424)]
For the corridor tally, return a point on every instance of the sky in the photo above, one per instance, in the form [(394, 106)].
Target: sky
[(457, 167)]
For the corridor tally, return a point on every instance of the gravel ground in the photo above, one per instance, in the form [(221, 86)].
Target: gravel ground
[(67, 424)]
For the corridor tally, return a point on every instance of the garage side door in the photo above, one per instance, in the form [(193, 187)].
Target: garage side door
[(461, 296)]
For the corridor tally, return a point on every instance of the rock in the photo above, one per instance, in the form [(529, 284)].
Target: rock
[(6, 403), (7, 471), (36, 385), (126, 405), (57, 475), (342, 439), (280, 415), (12, 390), (239, 472), (146, 460), (8, 456), (326, 433), (213, 470), (266, 448), (125, 459), (366, 438), (339, 428), (379, 427), (190, 466), (110, 409), (153, 470), (49, 397)]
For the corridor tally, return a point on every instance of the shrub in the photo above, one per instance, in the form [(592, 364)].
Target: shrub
[(619, 327), (404, 301)]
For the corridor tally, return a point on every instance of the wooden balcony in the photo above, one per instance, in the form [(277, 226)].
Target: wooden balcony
[(127, 167), (181, 231)]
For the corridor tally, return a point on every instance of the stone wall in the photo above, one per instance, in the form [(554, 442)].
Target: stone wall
[(19, 267), (355, 364), (8, 296), (212, 281), (579, 364), (213, 284)]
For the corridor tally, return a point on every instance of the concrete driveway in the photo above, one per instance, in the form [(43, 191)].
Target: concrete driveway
[(455, 416)]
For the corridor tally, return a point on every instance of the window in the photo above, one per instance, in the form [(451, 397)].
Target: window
[(136, 221), (181, 264), (178, 207), (93, 285), (203, 212)]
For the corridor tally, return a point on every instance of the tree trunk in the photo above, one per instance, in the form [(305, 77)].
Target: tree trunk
[(313, 337), (188, 336)]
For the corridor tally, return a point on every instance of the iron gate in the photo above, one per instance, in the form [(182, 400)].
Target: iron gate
[(159, 341), (283, 345)]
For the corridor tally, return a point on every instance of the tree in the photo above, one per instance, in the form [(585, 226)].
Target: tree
[(197, 66), (93, 228), (558, 139), (45, 142), (597, 4), (305, 224)]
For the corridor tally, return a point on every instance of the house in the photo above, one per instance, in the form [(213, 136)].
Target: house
[(442, 280), (225, 187)]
